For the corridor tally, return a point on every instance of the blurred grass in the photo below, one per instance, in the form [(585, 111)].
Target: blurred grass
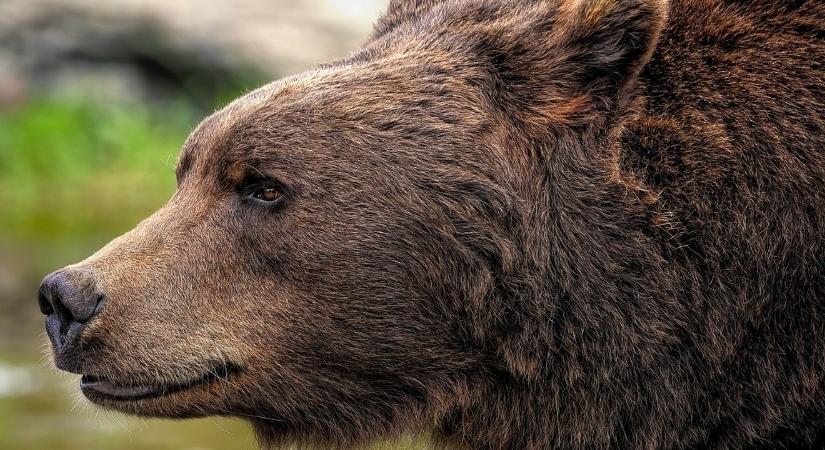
[(75, 173), (71, 167)]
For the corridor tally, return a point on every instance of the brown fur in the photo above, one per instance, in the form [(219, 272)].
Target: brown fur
[(564, 224)]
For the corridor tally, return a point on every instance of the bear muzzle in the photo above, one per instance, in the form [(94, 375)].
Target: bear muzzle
[(70, 299)]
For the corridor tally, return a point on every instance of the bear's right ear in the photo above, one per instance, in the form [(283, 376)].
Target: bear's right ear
[(609, 41), (550, 61), (575, 61)]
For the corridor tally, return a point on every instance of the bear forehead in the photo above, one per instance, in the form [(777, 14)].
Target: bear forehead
[(354, 100)]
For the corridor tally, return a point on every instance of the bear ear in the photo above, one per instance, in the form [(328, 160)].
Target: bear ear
[(562, 59), (582, 58), (610, 40)]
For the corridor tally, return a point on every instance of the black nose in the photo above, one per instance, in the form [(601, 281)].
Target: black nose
[(69, 299)]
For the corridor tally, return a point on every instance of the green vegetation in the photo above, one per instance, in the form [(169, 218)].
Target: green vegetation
[(74, 173), (70, 167)]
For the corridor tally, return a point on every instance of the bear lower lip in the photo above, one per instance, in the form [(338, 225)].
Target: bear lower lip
[(93, 386), (110, 389)]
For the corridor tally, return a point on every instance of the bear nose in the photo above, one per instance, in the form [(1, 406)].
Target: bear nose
[(69, 299)]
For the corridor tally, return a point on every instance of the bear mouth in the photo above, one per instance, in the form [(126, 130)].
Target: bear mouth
[(95, 387)]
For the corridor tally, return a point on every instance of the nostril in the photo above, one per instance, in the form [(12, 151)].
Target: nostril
[(52, 296), (84, 313), (64, 313), (98, 305), (71, 295), (44, 303)]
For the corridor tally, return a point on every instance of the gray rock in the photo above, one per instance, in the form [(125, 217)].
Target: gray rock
[(153, 49)]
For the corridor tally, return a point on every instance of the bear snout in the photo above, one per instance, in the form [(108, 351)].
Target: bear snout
[(69, 299)]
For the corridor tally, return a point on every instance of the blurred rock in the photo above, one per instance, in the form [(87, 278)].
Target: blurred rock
[(139, 49)]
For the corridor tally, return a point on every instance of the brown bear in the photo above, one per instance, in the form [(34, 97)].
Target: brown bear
[(535, 224)]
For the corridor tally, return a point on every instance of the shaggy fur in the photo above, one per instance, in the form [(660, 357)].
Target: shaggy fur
[(573, 224)]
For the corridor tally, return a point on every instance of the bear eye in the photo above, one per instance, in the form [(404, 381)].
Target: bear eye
[(266, 191)]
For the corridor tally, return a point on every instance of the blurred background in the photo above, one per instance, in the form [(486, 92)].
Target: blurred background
[(96, 97)]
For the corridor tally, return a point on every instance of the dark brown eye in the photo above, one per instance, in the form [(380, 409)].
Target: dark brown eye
[(266, 192)]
